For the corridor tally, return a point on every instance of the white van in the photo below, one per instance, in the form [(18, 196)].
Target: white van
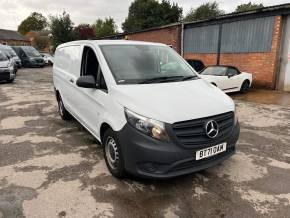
[(152, 113)]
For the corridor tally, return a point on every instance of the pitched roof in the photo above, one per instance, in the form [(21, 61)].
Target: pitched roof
[(38, 33), (11, 35)]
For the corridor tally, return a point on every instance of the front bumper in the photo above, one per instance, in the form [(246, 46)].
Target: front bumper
[(150, 158), (36, 64), (7, 75), (33, 63)]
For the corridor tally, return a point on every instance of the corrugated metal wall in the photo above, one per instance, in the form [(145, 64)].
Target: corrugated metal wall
[(248, 36), (201, 39), (253, 35)]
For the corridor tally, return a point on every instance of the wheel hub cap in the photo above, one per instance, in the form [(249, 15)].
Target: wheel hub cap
[(112, 153)]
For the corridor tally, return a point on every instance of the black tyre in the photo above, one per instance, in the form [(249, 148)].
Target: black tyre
[(10, 81), (64, 114), (245, 86), (113, 154)]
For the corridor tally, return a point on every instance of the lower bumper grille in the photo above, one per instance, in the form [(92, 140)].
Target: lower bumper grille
[(194, 163)]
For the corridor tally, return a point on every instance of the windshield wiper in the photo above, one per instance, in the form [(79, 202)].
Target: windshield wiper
[(189, 77), (161, 79), (167, 79)]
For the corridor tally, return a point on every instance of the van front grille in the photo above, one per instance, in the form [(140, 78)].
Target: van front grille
[(193, 132)]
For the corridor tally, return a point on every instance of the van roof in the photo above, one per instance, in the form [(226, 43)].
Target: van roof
[(109, 42)]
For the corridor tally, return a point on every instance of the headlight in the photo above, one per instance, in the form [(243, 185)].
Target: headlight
[(153, 128)]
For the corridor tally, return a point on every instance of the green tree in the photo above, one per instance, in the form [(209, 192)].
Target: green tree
[(105, 27), (150, 13), (205, 11), (248, 6), (35, 21), (41, 42), (61, 28)]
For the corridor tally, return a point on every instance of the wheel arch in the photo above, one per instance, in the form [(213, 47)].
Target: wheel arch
[(246, 80), (57, 94), (104, 126)]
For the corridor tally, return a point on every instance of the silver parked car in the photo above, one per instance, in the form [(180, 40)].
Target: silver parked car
[(7, 72), (6, 49)]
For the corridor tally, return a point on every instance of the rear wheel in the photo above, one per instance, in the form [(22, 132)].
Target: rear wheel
[(113, 154), (64, 114), (245, 86), (10, 80)]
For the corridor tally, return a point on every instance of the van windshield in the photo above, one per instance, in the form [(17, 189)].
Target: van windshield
[(11, 51), (8, 51), (31, 52), (132, 64)]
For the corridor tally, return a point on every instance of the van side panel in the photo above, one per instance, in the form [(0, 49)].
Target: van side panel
[(66, 70)]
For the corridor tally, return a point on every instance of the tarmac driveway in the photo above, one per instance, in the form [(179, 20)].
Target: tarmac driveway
[(53, 168)]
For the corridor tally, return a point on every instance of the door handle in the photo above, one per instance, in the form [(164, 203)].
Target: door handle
[(72, 80)]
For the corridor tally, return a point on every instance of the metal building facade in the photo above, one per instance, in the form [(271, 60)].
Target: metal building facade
[(201, 39), (253, 35)]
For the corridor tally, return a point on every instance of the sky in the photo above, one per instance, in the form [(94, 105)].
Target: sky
[(12, 12)]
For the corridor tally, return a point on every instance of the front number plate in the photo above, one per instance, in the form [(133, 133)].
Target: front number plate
[(211, 151)]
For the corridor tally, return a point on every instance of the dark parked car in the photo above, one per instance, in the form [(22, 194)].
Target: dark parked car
[(7, 72), (197, 65), (29, 56)]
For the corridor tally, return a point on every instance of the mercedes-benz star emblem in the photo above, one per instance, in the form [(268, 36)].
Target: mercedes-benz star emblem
[(212, 129)]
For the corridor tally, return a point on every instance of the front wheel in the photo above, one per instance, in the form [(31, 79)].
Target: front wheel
[(113, 154), (245, 86)]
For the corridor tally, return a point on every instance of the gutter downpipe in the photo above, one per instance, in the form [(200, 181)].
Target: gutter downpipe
[(182, 40)]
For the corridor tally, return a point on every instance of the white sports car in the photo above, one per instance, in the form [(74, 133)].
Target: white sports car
[(48, 58), (227, 78)]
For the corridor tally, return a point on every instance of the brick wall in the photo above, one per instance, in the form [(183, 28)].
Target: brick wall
[(169, 35), (263, 66), (207, 59)]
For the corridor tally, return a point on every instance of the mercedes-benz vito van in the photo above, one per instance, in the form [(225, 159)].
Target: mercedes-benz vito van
[(154, 115)]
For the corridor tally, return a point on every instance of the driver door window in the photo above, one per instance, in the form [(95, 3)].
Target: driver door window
[(90, 66)]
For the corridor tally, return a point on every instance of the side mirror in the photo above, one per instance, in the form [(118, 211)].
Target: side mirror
[(86, 82)]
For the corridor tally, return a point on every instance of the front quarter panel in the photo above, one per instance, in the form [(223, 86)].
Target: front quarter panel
[(113, 114)]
